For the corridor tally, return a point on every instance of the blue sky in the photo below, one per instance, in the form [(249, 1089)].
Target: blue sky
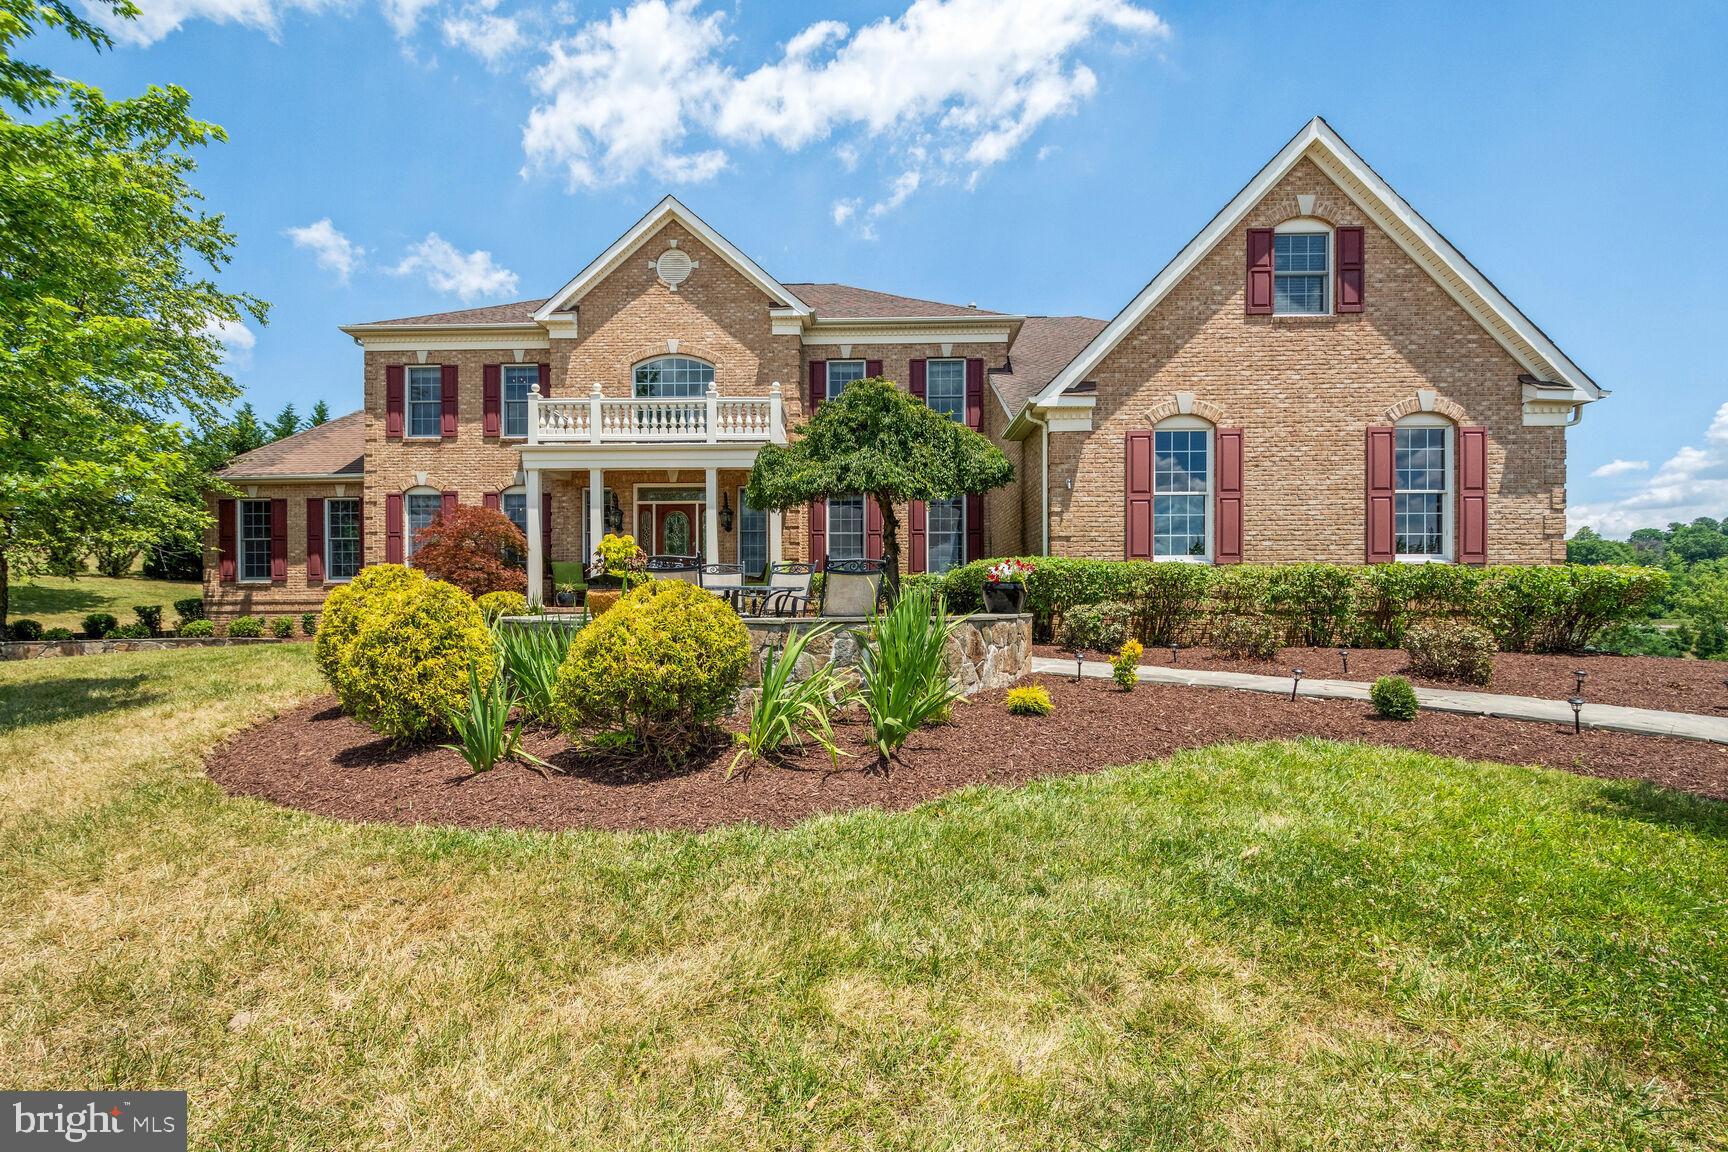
[(1040, 156)]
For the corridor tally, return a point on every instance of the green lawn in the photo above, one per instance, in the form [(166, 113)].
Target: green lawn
[(1277, 946), (57, 602)]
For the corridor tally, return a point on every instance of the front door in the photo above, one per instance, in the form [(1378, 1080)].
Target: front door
[(675, 529)]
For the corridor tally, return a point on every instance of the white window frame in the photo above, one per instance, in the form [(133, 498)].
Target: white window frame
[(1448, 494), (409, 372), (240, 539), (1307, 226), (359, 551), (636, 386), (830, 393), (505, 403), (863, 530), (503, 499), (408, 530), (1209, 497), (929, 535), (960, 416)]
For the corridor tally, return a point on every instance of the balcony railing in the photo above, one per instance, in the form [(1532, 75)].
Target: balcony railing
[(708, 419)]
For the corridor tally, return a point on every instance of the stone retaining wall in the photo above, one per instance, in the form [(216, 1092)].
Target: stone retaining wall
[(42, 649), (986, 651)]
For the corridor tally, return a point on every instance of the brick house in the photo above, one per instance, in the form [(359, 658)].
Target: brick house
[(1317, 375)]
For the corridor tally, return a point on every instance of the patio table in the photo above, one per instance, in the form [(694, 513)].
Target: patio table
[(745, 597)]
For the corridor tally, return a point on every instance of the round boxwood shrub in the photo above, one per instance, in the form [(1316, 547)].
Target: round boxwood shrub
[(26, 630), (246, 627), (99, 624), (57, 634), (282, 627), (495, 604), (660, 668), (195, 629), (129, 632), (396, 647), (1393, 698)]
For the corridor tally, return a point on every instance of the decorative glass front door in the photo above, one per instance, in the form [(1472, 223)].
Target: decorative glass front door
[(669, 520), (675, 532)]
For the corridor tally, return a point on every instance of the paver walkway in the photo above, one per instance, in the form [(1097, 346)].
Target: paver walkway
[(1645, 721)]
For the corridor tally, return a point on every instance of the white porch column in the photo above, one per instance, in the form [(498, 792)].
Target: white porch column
[(536, 562), (596, 511), (773, 537), (711, 517)]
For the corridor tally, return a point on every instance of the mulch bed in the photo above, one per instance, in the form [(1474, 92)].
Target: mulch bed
[(316, 759), (1633, 681)]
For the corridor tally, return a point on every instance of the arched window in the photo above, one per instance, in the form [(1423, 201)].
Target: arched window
[(1422, 468), (420, 506), (1302, 268), (1182, 489), (678, 377), (513, 502)]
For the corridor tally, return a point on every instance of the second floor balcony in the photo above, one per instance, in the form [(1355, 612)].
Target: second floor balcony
[(707, 419)]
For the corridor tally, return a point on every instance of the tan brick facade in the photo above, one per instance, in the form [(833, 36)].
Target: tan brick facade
[(290, 596)]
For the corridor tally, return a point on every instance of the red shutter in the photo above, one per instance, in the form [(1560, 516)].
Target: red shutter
[(393, 402), (447, 428), (1138, 489), (1259, 271), (393, 528), (314, 541), (491, 501), (872, 529), (545, 379), (818, 532), (1350, 277), (546, 529), (1227, 548), (975, 395), (974, 528), (872, 368), (915, 380), (225, 519), (1473, 495), (492, 421), (449, 504), (818, 386), (917, 524), (278, 541), (1381, 496)]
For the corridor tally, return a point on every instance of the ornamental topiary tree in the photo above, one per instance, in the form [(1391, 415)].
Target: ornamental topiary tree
[(877, 440), (477, 549)]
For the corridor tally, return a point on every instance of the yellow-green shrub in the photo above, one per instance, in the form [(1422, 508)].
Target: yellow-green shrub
[(1123, 669), (1032, 700), (396, 647), (661, 668), (492, 605)]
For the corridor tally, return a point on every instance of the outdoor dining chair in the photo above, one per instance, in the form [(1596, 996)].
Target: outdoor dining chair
[(851, 587), (725, 581), (789, 589), (686, 568)]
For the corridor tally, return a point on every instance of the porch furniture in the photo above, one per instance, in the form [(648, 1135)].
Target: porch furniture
[(686, 568), (727, 582), (571, 573), (788, 589), (851, 587)]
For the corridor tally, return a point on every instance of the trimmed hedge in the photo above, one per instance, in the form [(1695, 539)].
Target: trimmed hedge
[(1526, 609)]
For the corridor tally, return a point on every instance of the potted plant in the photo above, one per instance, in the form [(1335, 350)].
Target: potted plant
[(565, 595), (1005, 587)]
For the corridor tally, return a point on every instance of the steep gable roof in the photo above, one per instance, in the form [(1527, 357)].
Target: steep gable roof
[(669, 208), (1522, 339), (335, 448), (1044, 347)]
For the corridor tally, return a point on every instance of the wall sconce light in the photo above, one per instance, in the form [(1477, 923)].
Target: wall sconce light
[(1577, 703), (725, 512), (1295, 683), (614, 513)]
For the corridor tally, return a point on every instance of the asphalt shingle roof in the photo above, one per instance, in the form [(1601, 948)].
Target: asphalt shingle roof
[(337, 447)]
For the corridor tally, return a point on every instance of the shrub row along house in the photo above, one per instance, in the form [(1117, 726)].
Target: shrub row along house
[(1317, 375)]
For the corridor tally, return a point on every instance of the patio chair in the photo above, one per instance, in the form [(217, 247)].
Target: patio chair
[(725, 581), (851, 587), (790, 589), (686, 568), (569, 572)]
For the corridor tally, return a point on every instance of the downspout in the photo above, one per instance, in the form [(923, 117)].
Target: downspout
[(1043, 477)]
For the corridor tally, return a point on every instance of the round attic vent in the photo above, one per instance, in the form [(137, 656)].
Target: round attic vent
[(673, 267)]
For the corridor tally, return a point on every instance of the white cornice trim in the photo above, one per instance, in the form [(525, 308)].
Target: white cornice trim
[(291, 477), (668, 209), (567, 457), (921, 330), (451, 339), (1522, 339)]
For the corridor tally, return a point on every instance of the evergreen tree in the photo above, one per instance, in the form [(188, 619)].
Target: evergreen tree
[(320, 415), (287, 423)]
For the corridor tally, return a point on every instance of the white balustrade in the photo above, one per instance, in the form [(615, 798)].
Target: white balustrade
[(709, 419)]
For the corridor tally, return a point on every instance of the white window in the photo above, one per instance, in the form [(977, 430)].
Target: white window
[(845, 528), (425, 388), (1422, 479), (254, 540), (945, 534), (752, 538), (514, 504), (842, 373), (515, 382), (420, 508), (1182, 490), (673, 377), (945, 387), (1301, 270), (341, 539)]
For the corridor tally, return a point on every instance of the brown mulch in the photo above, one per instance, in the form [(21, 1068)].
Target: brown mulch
[(316, 759), (1632, 681)]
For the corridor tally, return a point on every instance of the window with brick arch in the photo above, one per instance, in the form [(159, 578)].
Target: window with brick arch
[(1423, 463), (1182, 490)]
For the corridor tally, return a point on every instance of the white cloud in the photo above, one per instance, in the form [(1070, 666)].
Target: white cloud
[(961, 83), (157, 18), (404, 15), (333, 250), (1620, 468), (485, 33), (237, 341), (1691, 483), (469, 276)]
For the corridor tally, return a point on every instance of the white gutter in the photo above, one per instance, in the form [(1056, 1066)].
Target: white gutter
[(1043, 478)]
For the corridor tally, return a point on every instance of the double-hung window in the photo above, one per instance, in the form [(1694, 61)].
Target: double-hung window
[(341, 539), (514, 505), (420, 509), (945, 520), (1301, 283), (945, 387), (254, 540), (846, 528), (842, 373), (1422, 501), (752, 538), (425, 397), (1181, 491), (517, 380)]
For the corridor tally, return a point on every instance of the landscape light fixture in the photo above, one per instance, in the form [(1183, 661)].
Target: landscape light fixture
[(1579, 674), (1577, 703), (1173, 649), (1079, 664), (1295, 682), (1344, 655)]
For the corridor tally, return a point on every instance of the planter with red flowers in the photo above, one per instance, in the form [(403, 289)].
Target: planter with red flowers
[(1005, 587)]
